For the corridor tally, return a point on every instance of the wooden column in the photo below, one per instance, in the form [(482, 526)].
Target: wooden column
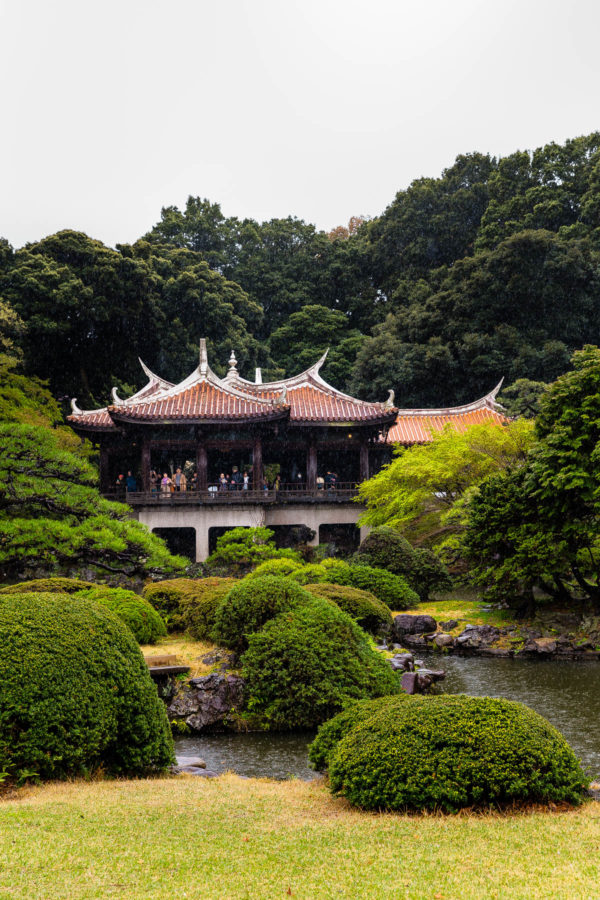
[(202, 467), (311, 466), (364, 461), (145, 465), (104, 471), (257, 465)]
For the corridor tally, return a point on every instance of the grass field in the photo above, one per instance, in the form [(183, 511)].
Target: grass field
[(233, 838)]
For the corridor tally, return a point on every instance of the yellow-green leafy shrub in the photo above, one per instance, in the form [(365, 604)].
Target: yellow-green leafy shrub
[(364, 607), (252, 602), (48, 585), (451, 752), (143, 620), (306, 664)]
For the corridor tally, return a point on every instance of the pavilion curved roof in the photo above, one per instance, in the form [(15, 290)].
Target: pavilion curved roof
[(416, 426), (304, 399)]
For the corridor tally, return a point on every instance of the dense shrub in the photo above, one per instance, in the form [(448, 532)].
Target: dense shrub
[(283, 567), (199, 605), (332, 731), (143, 620), (307, 664), (312, 573), (48, 585), (252, 602), (75, 692), (454, 751), (389, 588), (241, 549), (385, 548), (165, 597), (364, 607)]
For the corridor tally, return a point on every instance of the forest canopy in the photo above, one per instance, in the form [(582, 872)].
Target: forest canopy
[(489, 270)]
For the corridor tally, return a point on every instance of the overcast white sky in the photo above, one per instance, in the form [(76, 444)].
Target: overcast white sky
[(320, 109)]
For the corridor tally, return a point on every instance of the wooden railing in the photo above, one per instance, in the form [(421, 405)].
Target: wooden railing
[(342, 492)]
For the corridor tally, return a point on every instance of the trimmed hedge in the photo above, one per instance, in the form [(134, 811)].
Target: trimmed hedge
[(451, 752), (143, 620), (332, 731), (391, 589), (199, 606), (386, 548), (49, 585), (251, 603), (165, 597), (364, 607), (75, 692), (283, 567), (308, 663)]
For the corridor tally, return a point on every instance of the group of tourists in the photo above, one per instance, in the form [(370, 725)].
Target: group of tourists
[(237, 481)]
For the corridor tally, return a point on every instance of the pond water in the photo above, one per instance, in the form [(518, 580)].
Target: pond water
[(566, 693)]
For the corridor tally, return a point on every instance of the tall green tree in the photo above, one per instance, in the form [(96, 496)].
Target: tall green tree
[(539, 527)]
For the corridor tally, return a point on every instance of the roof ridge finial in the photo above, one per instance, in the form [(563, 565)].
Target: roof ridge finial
[(116, 399), (258, 376), (75, 408), (233, 372), (203, 357), (390, 400)]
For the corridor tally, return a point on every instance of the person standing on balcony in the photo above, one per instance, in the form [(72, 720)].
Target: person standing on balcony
[(194, 482), (180, 481), (237, 479), (131, 482), (222, 482), (277, 483), (246, 485), (165, 484), (154, 481)]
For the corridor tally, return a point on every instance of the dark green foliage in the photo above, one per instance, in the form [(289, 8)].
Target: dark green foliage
[(189, 603), (52, 518), (386, 548), (389, 588), (241, 549), (49, 586), (451, 752), (363, 606), (139, 616), (538, 526), (283, 567), (252, 602), (308, 663), (331, 732), (75, 692)]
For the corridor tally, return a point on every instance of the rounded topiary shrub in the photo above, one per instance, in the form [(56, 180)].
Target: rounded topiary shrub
[(311, 573), (251, 603), (48, 585), (450, 752), (332, 731), (391, 589), (364, 607), (143, 620), (305, 665), (283, 567), (75, 692), (199, 605), (386, 548), (165, 597)]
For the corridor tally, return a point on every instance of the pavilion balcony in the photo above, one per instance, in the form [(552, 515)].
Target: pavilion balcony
[(342, 492)]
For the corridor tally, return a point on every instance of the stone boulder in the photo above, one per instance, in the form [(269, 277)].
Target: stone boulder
[(476, 637), (207, 701), (406, 624), (443, 641)]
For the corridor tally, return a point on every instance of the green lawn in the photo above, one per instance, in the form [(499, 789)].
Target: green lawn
[(235, 838), (465, 606)]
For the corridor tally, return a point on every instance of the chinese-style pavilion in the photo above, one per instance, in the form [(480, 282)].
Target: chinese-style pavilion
[(300, 426)]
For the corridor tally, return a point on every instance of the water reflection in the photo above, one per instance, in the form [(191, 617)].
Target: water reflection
[(564, 692), (257, 755)]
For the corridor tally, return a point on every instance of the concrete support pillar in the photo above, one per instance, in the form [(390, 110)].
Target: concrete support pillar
[(364, 532), (104, 474), (364, 461), (202, 469), (257, 465), (145, 465), (201, 543), (311, 466)]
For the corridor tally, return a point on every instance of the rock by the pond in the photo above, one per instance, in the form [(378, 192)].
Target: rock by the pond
[(442, 641), (402, 662), (195, 762), (406, 624), (449, 625), (422, 681), (227, 658), (475, 637), (207, 701), (192, 770)]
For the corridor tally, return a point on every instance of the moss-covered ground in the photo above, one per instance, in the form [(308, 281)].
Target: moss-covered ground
[(236, 838)]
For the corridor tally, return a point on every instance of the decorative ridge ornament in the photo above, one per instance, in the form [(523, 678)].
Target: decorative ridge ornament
[(258, 376), (389, 403), (233, 373), (116, 399), (75, 408), (203, 364)]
